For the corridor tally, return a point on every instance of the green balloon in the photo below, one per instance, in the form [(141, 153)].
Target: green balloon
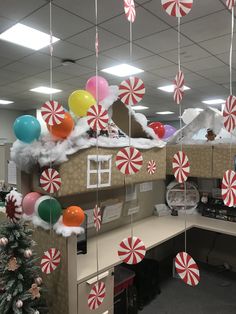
[(48, 208)]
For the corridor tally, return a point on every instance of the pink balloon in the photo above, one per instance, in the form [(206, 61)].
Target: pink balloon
[(102, 85), (29, 202)]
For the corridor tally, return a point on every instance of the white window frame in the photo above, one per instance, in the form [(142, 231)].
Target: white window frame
[(99, 159)]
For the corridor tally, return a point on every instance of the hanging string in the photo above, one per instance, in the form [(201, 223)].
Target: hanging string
[(179, 65)]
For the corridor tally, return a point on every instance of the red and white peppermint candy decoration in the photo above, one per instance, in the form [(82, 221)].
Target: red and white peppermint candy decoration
[(50, 260), (181, 166), (228, 188), (132, 250), (230, 4), (177, 8), (129, 160), (52, 112), (97, 117), (50, 180), (97, 217), (179, 87), (151, 167), (130, 11), (13, 205), (187, 269), (229, 113), (131, 91), (96, 295)]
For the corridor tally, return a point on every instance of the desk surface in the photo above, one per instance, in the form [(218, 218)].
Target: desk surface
[(152, 230)]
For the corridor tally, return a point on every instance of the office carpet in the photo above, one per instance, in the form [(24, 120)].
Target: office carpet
[(215, 294)]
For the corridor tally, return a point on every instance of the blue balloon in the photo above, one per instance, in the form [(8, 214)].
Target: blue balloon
[(27, 128)]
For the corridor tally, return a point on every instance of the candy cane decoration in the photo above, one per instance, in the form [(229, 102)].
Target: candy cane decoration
[(187, 269), (179, 87), (97, 217), (97, 117), (132, 250), (228, 188), (130, 11), (50, 180), (52, 112), (50, 260), (131, 91), (229, 113), (181, 166), (230, 4), (129, 160), (177, 8), (151, 168), (96, 295)]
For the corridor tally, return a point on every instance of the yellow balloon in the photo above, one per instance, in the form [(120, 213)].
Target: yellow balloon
[(80, 101)]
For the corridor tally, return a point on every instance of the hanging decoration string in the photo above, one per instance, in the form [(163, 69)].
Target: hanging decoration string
[(130, 115)]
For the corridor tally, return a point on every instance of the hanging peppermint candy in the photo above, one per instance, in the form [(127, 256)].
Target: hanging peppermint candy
[(179, 87), (50, 260), (229, 113), (228, 188), (151, 167), (132, 250), (97, 118), (131, 91), (129, 160), (50, 181), (130, 11), (177, 8), (96, 295), (181, 166), (97, 217), (187, 269), (230, 4), (13, 206), (52, 112)]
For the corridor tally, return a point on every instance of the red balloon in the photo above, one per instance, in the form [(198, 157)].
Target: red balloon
[(158, 128)]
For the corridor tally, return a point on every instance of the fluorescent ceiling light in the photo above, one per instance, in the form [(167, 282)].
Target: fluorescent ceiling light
[(45, 90), (122, 70), (140, 107), (5, 102), (165, 112), (217, 101), (170, 88), (26, 36)]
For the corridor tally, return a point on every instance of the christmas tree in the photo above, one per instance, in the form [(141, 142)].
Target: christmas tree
[(20, 283)]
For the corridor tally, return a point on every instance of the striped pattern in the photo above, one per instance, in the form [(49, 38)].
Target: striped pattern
[(50, 181), (229, 114), (52, 113), (13, 206), (228, 188), (230, 4), (96, 295), (151, 167), (129, 160), (50, 260), (130, 11), (97, 218), (97, 118), (131, 91), (187, 269), (177, 8), (179, 87), (181, 166), (132, 250)]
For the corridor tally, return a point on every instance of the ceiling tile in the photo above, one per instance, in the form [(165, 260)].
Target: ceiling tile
[(40, 59), (20, 67), (219, 75), (167, 72), (218, 45), (153, 62), (90, 62), (122, 53), (225, 58), (12, 51), (73, 69), (203, 64)]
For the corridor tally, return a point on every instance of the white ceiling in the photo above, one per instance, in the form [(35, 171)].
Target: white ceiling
[(205, 49)]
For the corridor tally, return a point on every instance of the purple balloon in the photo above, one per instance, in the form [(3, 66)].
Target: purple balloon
[(169, 131)]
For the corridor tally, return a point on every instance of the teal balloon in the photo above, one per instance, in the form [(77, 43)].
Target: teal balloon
[(48, 209), (27, 128)]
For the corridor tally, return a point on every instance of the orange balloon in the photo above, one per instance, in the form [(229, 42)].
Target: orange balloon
[(63, 129), (73, 216)]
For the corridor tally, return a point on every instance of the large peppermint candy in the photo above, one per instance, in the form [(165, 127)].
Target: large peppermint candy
[(130, 11), (181, 166), (229, 113), (131, 91), (151, 167), (13, 206), (50, 260), (177, 8), (97, 217), (97, 118), (52, 112), (230, 4), (132, 250), (50, 180), (96, 295), (228, 188), (179, 87), (129, 160), (187, 269)]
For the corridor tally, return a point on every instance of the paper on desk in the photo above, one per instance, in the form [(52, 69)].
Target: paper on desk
[(131, 193), (11, 173), (112, 212), (146, 187)]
